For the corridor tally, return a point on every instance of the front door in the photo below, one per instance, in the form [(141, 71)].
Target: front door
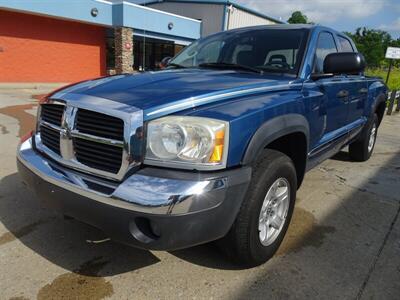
[(332, 110)]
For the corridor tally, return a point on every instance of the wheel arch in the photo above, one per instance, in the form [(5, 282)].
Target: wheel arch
[(379, 107), (288, 134)]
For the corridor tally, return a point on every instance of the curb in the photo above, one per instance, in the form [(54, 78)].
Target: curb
[(30, 85)]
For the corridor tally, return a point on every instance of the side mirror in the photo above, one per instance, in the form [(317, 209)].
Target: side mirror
[(344, 63), (164, 62)]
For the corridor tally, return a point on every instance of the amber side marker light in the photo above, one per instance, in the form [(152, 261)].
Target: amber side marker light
[(219, 147), (26, 136)]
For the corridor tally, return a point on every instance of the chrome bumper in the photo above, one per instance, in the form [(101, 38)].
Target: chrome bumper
[(160, 192)]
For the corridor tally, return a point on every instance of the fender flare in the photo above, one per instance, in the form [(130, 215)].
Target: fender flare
[(381, 98), (272, 130)]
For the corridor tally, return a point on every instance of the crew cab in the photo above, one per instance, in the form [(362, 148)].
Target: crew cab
[(213, 147)]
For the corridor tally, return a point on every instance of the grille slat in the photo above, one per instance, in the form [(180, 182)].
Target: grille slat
[(99, 156), (50, 138), (97, 152), (100, 125), (52, 113), (101, 133), (51, 119), (99, 146), (95, 159), (95, 126), (99, 116)]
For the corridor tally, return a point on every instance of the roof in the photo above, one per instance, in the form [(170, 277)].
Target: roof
[(112, 13), (310, 27), (221, 2), (275, 27)]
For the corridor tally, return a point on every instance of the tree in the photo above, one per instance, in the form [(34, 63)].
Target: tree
[(298, 17), (372, 44)]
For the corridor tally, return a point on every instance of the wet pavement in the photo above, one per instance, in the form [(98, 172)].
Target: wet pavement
[(343, 242)]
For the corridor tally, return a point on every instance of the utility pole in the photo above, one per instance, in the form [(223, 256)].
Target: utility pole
[(390, 69)]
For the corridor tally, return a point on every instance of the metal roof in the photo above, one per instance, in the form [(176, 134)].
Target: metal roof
[(222, 2), (112, 13)]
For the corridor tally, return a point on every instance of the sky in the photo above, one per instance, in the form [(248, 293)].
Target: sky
[(342, 15)]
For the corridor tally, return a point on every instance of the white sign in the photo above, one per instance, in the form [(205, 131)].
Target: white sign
[(393, 53)]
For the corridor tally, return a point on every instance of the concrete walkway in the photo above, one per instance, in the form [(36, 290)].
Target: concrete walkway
[(343, 243)]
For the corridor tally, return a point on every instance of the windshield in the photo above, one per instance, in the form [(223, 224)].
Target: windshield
[(268, 50)]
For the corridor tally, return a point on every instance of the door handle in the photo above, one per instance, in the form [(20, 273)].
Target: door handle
[(363, 91), (343, 94)]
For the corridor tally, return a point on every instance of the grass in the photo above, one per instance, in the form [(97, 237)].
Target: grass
[(394, 79)]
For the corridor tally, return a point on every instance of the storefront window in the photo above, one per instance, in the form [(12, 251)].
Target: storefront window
[(148, 53), (110, 49)]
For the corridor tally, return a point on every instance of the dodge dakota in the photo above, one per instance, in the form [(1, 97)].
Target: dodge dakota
[(213, 147)]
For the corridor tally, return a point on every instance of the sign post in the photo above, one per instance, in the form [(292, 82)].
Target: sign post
[(391, 53)]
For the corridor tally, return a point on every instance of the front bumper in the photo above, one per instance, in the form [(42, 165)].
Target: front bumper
[(152, 209)]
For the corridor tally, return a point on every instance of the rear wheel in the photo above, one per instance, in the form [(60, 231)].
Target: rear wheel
[(265, 213), (361, 150)]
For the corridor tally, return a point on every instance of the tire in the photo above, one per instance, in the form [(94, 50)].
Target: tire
[(243, 242), (362, 148)]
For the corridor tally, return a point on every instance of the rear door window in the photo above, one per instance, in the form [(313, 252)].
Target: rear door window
[(345, 44)]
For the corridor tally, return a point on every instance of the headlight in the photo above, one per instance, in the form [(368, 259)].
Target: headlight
[(187, 142)]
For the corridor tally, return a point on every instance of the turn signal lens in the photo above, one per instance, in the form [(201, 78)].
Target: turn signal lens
[(218, 152), (26, 136)]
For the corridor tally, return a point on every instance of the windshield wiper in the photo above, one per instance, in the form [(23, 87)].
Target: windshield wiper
[(221, 65), (176, 66)]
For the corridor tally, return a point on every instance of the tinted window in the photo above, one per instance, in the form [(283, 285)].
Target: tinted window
[(326, 45), (269, 50), (345, 45)]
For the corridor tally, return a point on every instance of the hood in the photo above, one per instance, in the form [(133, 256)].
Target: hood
[(158, 91)]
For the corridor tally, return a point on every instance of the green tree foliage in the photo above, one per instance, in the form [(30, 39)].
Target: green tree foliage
[(372, 44), (298, 17)]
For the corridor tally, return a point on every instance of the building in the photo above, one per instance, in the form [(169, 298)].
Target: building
[(69, 41), (216, 15)]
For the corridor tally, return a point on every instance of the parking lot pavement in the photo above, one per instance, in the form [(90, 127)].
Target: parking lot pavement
[(343, 243)]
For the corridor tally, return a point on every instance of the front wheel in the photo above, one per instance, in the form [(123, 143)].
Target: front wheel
[(361, 150), (265, 214)]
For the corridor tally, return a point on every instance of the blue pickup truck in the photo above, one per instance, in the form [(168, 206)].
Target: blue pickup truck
[(213, 147)]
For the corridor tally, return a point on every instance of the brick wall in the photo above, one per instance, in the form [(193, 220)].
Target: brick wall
[(123, 50)]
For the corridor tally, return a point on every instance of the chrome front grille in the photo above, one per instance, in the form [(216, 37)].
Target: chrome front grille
[(91, 141)]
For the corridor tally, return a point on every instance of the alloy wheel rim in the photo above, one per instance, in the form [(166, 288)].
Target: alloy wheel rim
[(372, 138), (274, 211)]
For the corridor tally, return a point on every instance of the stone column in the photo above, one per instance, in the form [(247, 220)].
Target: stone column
[(123, 49)]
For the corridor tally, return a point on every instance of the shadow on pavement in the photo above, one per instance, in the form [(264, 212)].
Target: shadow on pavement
[(342, 156), (331, 255), (207, 255), (62, 242), (339, 268)]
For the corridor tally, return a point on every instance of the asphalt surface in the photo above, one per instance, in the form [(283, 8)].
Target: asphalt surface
[(343, 242)]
